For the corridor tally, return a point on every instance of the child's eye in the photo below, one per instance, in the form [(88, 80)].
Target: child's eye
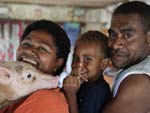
[(75, 59), (87, 59)]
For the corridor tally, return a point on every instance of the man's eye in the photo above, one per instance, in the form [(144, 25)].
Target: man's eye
[(112, 35), (127, 35)]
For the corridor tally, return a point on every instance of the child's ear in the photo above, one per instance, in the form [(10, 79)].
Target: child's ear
[(105, 62)]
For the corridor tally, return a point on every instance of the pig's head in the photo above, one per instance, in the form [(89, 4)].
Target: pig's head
[(18, 79)]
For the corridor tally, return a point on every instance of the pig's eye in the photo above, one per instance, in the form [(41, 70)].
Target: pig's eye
[(29, 75)]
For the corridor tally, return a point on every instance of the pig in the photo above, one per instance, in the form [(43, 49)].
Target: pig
[(18, 79)]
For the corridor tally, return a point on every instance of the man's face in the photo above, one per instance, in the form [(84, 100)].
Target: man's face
[(38, 49), (127, 40), (87, 60)]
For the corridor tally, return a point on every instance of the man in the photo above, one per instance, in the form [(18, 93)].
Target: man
[(129, 41)]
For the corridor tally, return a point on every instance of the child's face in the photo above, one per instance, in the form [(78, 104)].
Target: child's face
[(87, 60), (38, 49)]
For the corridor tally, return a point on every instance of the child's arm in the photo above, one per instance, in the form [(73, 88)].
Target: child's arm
[(71, 86)]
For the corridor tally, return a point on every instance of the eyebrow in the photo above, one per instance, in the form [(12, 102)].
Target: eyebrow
[(126, 30), (121, 30), (41, 43), (27, 37)]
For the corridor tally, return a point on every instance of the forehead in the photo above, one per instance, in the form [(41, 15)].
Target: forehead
[(87, 47), (121, 21), (41, 37)]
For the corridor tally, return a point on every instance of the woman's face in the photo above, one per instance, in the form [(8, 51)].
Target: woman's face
[(38, 48)]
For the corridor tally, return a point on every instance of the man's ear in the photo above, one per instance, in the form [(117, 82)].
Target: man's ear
[(59, 63), (105, 62), (148, 41), (148, 37)]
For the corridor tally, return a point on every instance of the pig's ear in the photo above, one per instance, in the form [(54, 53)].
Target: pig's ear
[(4, 76)]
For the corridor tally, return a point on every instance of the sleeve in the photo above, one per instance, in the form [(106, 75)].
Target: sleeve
[(44, 101), (94, 100)]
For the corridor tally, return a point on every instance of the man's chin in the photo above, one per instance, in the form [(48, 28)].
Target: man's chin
[(118, 65)]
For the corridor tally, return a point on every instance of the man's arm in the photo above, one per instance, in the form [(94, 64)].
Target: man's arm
[(133, 96)]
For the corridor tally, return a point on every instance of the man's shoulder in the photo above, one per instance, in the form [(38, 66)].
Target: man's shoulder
[(138, 83), (137, 80), (139, 69)]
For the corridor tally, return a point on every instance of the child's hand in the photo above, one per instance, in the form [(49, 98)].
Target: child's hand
[(72, 84), (78, 72)]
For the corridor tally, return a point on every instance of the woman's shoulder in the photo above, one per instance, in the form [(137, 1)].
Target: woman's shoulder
[(48, 100), (52, 94)]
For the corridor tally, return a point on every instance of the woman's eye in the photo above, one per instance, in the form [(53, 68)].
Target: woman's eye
[(26, 44), (42, 49)]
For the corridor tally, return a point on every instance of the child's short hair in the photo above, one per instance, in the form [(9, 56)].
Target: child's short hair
[(59, 36), (98, 38)]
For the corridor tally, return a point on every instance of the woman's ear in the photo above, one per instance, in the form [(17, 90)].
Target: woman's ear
[(59, 63), (105, 62)]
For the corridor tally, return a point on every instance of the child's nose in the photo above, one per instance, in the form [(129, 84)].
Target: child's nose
[(80, 67)]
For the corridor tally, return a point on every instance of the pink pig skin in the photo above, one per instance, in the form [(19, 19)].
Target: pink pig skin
[(18, 79)]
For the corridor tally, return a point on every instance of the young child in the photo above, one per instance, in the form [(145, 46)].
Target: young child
[(45, 45), (85, 88)]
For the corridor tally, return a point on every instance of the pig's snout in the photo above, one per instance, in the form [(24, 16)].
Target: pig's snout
[(53, 81)]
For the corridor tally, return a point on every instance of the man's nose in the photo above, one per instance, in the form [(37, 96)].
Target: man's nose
[(118, 42)]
